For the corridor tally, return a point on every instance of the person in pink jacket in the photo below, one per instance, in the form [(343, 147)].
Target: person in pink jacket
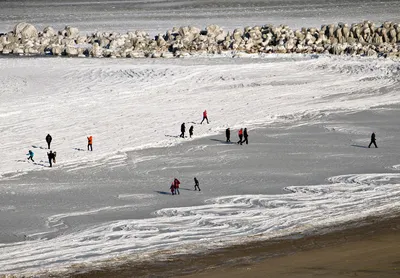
[(176, 184)]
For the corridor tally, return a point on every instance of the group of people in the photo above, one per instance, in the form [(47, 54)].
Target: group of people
[(52, 155), (175, 186), (183, 130), (183, 127), (243, 136)]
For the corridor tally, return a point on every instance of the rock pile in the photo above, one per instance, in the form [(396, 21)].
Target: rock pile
[(364, 39)]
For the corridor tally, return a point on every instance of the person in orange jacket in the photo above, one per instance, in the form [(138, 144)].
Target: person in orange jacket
[(240, 133), (89, 143), (205, 117)]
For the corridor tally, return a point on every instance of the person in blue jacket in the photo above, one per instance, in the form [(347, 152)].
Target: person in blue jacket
[(30, 155)]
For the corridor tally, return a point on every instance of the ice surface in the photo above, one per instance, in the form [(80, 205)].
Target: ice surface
[(159, 16), (112, 204)]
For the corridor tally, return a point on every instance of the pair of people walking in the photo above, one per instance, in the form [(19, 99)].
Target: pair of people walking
[(175, 187), (243, 134), (183, 130)]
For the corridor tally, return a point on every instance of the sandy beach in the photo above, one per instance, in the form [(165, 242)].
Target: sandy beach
[(369, 248)]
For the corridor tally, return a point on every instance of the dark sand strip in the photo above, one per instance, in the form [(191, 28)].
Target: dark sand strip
[(370, 250)]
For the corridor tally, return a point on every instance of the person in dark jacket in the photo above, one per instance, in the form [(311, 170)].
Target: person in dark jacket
[(191, 131), (196, 184), (373, 140), (48, 140), (228, 135), (172, 188), (183, 129), (51, 157), (246, 136), (240, 133)]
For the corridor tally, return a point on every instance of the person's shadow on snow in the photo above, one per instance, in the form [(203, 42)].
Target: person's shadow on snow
[(183, 188), (79, 149), (359, 146), (174, 136), (38, 147), (163, 192), (41, 164), (221, 141)]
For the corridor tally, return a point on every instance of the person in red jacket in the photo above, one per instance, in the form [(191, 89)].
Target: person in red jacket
[(176, 184), (205, 117), (89, 143), (240, 133)]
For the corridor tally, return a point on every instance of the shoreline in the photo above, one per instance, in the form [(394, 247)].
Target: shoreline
[(357, 39), (339, 252)]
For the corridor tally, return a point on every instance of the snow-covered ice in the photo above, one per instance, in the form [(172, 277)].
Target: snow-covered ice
[(112, 204)]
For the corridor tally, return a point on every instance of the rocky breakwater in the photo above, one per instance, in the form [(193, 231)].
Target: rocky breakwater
[(366, 39)]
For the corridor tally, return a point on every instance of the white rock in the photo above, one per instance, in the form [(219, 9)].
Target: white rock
[(71, 32)]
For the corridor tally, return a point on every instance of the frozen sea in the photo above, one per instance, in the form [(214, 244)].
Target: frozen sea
[(157, 16), (307, 165)]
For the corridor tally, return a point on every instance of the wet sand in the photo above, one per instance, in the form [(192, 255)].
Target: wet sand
[(368, 248)]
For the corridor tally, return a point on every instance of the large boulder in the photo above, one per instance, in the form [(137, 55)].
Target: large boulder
[(25, 30)]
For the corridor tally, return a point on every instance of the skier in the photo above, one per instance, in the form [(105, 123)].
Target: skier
[(89, 143), (183, 128), (246, 136), (196, 184), (240, 133), (172, 188), (191, 131), (204, 117), (373, 140), (54, 158), (176, 185), (48, 140), (51, 157), (228, 135), (31, 154)]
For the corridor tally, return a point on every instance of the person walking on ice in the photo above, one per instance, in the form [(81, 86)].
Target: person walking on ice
[(172, 188), (191, 131), (246, 136), (51, 157), (30, 155), (89, 143), (48, 140), (183, 129), (240, 133), (176, 186), (228, 135), (196, 184), (373, 140), (204, 117)]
